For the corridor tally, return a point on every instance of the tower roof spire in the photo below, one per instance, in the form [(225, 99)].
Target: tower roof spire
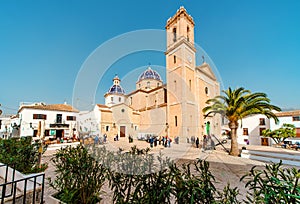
[(116, 79), (180, 11)]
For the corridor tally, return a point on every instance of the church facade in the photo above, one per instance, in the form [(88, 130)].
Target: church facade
[(172, 108)]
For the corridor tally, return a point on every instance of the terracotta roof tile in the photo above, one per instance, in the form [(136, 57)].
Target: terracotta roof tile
[(107, 111), (102, 106), (54, 107), (144, 91), (288, 113)]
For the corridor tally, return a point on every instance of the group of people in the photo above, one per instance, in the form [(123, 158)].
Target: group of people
[(100, 140), (208, 142), (289, 145), (164, 141)]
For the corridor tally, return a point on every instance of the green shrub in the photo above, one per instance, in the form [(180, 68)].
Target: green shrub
[(21, 154), (274, 184), (163, 181), (194, 183), (137, 177), (228, 195), (154, 188), (131, 175), (79, 177)]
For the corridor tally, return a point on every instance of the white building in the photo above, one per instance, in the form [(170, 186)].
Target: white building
[(54, 121), (288, 117), (5, 126), (250, 130), (88, 122), (9, 126)]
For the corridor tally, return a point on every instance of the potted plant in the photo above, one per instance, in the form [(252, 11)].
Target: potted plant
[(79, 176)]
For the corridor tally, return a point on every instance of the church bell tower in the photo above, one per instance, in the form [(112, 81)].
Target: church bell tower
[(181, 78)]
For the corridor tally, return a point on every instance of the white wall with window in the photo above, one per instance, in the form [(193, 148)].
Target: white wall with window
[(289, 117), (115, 99), (6, 126), (60, 122), (88, 122), (250, 130)]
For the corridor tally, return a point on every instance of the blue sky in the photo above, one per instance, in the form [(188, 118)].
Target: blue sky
[(43, 44)]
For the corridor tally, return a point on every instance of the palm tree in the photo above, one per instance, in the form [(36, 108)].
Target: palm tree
[(236, 105)]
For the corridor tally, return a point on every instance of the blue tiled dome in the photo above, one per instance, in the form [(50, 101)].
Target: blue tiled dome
[(149, 74), (116, 89)]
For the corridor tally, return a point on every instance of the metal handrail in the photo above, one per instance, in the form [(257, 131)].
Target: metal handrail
[(14, 183), (5, 180)]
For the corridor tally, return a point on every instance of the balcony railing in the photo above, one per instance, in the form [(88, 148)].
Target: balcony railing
[(23, 189)]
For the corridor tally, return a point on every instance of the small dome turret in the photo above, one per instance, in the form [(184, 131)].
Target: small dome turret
[(115, 94), (116, 88)]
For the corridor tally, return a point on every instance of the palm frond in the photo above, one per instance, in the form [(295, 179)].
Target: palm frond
[(238, 103)]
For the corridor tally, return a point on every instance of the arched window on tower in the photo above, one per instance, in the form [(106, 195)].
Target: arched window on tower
[(174, 59), (188, 33), (165, 96), (174, 35), (206, 90)]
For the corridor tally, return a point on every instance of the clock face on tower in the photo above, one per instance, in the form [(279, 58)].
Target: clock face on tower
[(189, 58)]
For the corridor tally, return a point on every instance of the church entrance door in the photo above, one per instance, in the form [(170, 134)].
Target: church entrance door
[(122, 131)]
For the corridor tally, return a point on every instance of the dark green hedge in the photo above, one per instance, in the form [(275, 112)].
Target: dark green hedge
[(21, 154)]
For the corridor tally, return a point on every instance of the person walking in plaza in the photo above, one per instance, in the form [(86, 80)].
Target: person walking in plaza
[(96, 140), (204, 142), (193, 140), (166, 141), (197, 142), (104, 137), (151, 141), (169, 142)]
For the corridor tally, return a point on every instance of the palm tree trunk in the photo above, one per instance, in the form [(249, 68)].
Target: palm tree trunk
[(234, 150)]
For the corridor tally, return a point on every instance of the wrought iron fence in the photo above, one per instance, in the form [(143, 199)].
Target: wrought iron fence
[(31, 188)]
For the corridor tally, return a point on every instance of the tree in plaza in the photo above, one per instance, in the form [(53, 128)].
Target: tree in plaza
[(237, 104), (281, 134)]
